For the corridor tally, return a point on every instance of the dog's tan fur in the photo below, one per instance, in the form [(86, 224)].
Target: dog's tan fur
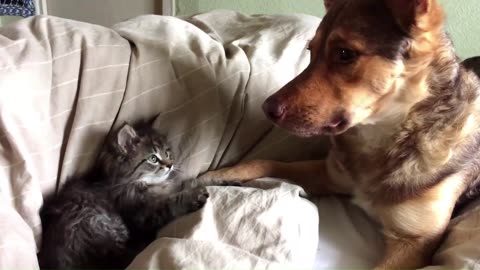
[(405, 115)]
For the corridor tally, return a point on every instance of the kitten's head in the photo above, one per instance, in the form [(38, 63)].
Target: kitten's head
[(137, 154)]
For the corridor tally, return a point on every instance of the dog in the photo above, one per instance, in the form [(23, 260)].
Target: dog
[(403, 116)]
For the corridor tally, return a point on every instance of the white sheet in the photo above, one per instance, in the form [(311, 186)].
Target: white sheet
[(348, 239)]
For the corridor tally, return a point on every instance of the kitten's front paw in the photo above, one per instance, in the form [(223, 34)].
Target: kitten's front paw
[(142, 186), (200, 198), (189, 184)]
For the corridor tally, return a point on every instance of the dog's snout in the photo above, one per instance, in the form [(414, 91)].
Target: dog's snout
[(273, 110)]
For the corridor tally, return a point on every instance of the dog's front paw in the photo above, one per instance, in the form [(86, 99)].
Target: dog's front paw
[(227, 183), (218, 178), (208, 178)]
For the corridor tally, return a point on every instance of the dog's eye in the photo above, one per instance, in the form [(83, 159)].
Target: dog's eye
[(153, 159), (346, 56)]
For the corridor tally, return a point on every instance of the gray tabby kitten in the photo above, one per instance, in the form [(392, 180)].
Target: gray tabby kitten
[(104, 218)]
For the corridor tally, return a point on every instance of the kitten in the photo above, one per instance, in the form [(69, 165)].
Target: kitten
[(104, 218)]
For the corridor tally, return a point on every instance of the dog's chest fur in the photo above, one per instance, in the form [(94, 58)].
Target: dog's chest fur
[(359, 148), (357, 153)]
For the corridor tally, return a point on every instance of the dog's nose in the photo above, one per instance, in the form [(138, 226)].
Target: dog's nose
[(273, 110)]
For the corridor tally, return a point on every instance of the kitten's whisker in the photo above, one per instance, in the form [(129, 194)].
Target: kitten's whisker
[(119, 185), (177, 170)]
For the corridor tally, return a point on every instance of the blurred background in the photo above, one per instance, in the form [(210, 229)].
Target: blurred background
[(462, 15)]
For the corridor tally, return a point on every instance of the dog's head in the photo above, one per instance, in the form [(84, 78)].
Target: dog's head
[(365, 56)]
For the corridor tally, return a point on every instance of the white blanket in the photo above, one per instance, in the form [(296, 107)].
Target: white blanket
[(266, 226)]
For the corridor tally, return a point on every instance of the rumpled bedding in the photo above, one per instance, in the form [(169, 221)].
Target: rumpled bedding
[(65, 84)]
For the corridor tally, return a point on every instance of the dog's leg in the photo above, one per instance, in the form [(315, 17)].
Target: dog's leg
[(407, 253), (414, 227), (314, 176)]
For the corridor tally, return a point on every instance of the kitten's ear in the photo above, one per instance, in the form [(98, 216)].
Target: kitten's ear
[(127, 138), (153, 119)]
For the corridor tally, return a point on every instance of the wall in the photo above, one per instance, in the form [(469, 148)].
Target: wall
[(313, 7), (4, 20), (461, 15), (104, 12), (463, 26)]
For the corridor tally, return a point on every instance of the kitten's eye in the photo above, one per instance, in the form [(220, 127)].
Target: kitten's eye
[(346, 56), (153, 159)]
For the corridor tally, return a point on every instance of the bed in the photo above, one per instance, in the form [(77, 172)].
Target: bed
[(65, 84)]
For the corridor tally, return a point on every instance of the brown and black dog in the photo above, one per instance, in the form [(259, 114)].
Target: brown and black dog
[(403, 114)]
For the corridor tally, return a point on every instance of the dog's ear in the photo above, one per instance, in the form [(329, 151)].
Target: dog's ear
[(409, 13), (328, 3)]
